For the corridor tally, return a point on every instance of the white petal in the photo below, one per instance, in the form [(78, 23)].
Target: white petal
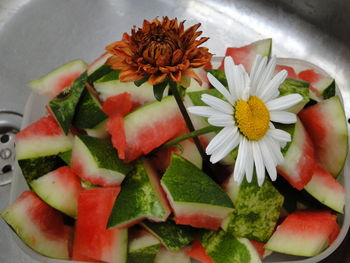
[(217, 84), (275, 149), (246, 84), (257, 76), (203, 111), (221, 138), (266, 75), (238, 172), (284, 102), (272, 87), (221, 120), (217, 103), (255, 66), (280, 135), (283, 117), (225, 149), (249, 165), (229, 68), (259, 163), (238, 80), (269, 159)]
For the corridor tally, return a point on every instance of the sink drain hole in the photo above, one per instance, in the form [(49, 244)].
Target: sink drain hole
[(5, 138), (6, 169)]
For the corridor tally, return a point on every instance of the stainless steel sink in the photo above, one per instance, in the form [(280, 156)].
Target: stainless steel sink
[(37, 35)]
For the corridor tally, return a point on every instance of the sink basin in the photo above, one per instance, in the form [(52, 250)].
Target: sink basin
[(38, 35)]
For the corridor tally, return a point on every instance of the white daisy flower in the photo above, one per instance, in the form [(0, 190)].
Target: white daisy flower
[(246, 114)]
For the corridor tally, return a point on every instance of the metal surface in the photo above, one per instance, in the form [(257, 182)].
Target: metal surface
[(39, 35)]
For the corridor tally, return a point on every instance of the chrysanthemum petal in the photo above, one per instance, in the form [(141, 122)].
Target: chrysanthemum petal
[(204, 111), (280, 135), (225, 149), (255, 78), (266, 75), (270, 89), (217, 84), (226, 134), (283, 117), (221, 120), (239, 170), (259, 163), (284, 102), (217, 103)]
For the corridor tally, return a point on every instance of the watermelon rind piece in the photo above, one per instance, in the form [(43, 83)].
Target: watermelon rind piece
[(60, 189), (245, 55), (165, 256), (299, 159), (324, 187), (292, 86), (143, 248), (88, 113), (223, 247), (64, 104), (141, 95), (303, 233), (328, 129), (173, 236), (96, 69), (38, 225), (256, 209), (50, 84), (192, 193), (110, 76), (150, 126), (96, 160), (141, 197), (33, 168)]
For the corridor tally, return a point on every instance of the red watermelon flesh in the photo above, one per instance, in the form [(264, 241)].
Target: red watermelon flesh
[(304, 233), (199, 220), (41, 138), (197, 252), (147, 128), (92, 239), (40, 226), (299, 160), (333, 236), (260, 248), (312, 77), (118, 104), (115, 127), (327, 126), (290, 70)]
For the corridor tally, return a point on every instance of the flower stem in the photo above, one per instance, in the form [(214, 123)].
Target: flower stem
[(190, 135), (175, 92)]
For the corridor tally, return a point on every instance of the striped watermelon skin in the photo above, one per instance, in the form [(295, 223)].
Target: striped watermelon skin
[(38, 225)]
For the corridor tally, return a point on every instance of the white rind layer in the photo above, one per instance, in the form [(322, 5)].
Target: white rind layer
[(167, 256), (146, 240), (39, 146)]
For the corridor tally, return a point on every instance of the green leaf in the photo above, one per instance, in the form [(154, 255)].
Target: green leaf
[(112, 75), (158, 90), (139, 82)]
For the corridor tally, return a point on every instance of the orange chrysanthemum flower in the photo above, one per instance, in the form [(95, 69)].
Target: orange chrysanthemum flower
[(157, 50)]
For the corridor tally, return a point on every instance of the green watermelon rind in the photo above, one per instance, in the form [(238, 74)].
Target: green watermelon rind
[(222, 247), (138, 199), (33, 168), (88, 113), (256, 210), (186, 183), (173, 236), (64, 105)]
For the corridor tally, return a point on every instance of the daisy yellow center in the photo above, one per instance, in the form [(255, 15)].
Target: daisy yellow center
[(252, 118)]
